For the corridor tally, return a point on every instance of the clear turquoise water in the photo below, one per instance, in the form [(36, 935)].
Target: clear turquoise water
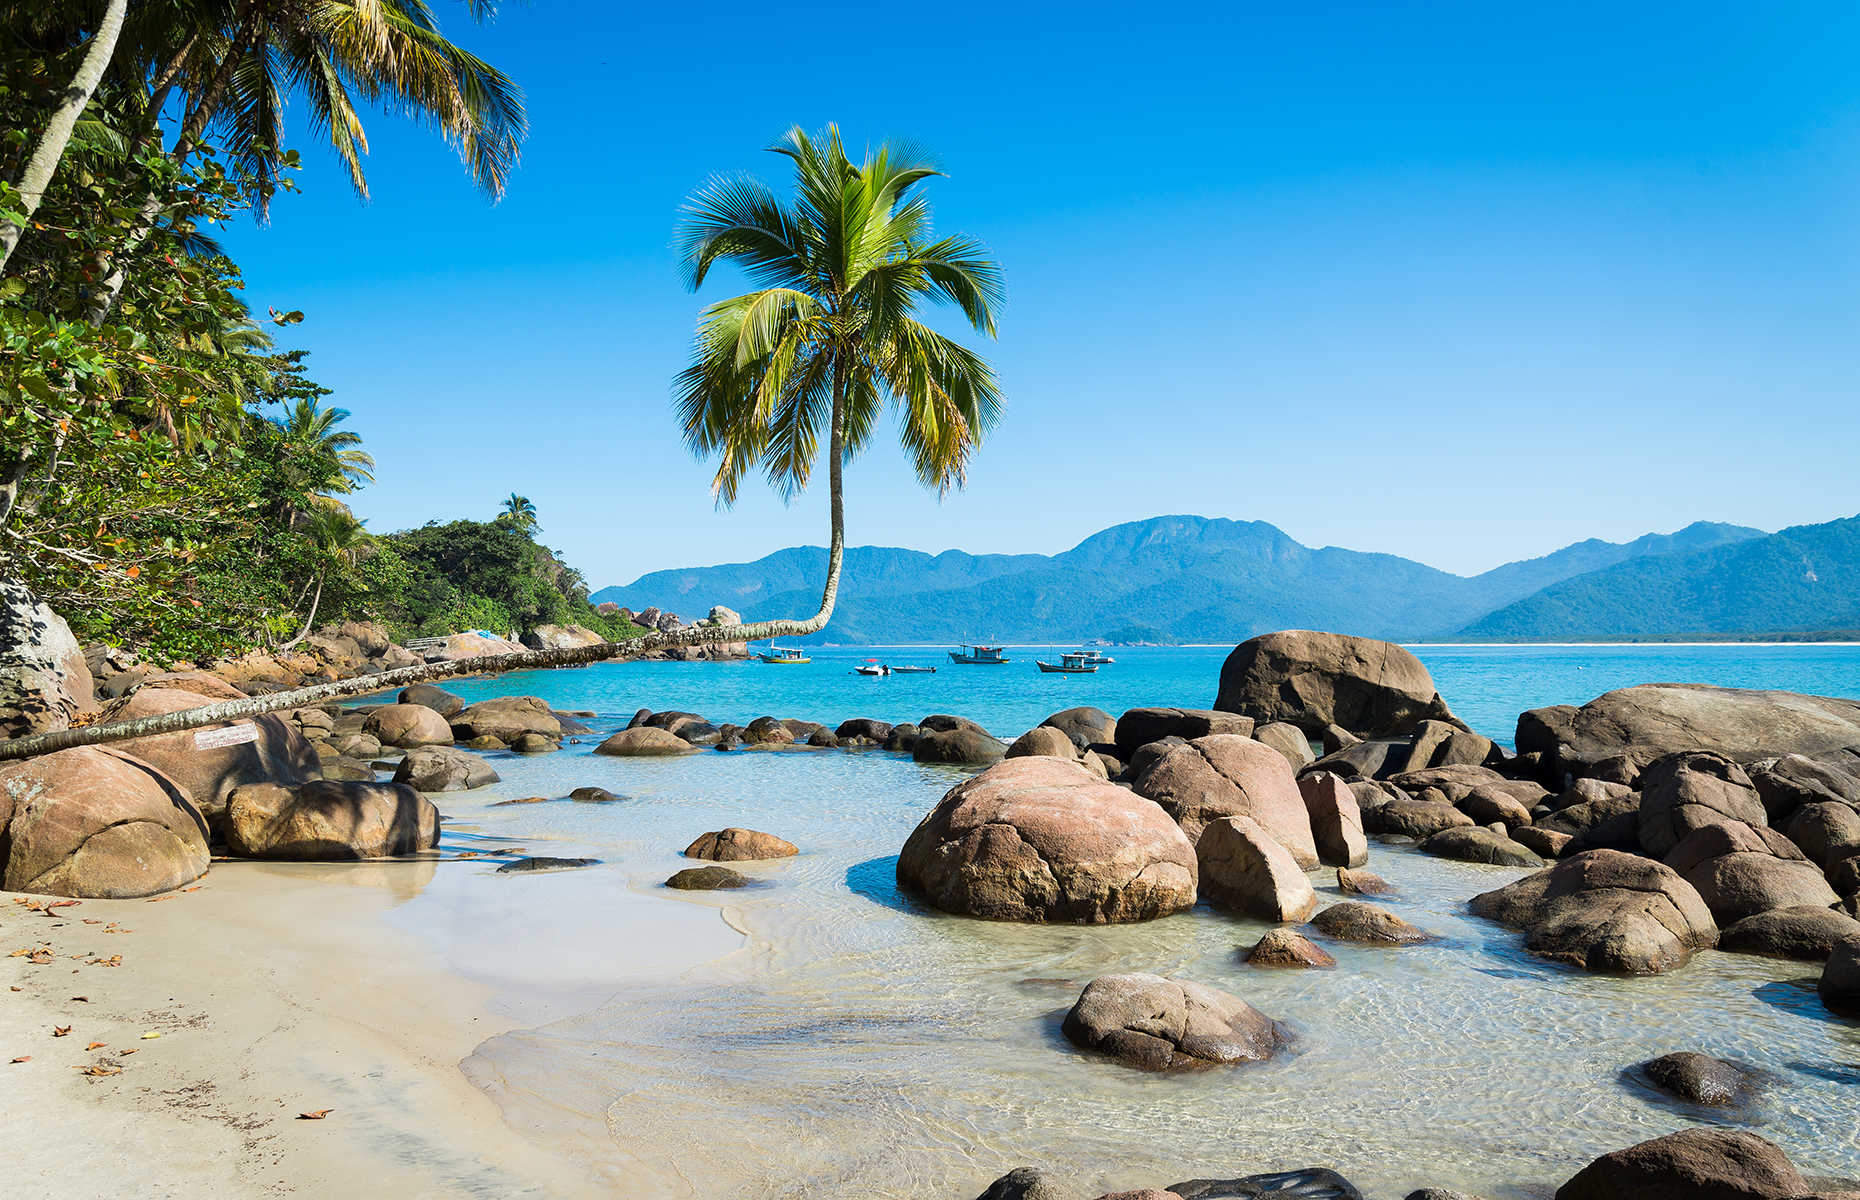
[(1487, 686), (864, 1046)]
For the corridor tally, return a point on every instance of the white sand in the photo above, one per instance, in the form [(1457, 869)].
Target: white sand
[(279, 989)]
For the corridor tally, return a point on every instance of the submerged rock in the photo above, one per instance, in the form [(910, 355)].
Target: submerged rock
[(540, 863), (1026, 1183), (644, 741), (1284, 948), (706, 879), (1604, 910), (594, 795), (1700, 1078), (1363, 883), (1161, 1024), (1354, 921), (1693, 1164), (1311, 1183), (740, 845)]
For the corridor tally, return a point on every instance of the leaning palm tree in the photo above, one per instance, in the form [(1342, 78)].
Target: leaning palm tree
[(832, 336), (336, 539), (828, 341), (312, 427)]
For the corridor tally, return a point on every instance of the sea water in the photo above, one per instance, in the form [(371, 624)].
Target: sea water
[(862, 1044)]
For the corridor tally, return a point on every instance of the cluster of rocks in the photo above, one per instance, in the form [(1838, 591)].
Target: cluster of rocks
[(670, 622), (1693, 1164)]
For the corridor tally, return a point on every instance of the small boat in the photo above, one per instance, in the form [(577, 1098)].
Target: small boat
[(913, 670), (871, 666), (1069, 664), (979, 655), (1095, 658), (784, 654)]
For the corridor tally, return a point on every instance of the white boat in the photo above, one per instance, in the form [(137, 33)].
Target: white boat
[(871, 667), (913, 670), (979, 655), (1069, 664), (1093, 658)]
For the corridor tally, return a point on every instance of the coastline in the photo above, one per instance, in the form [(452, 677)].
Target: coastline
[(275, 989)]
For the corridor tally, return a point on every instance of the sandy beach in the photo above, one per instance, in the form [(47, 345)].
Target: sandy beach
[(278, 989)]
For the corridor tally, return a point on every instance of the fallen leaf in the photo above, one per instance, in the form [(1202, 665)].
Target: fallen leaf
[(158, 899), (96, 1045), (61, 904), (17, 988), (60, 1030), (318, 1115), (82, 999), (92, 921), (195, 888), (40, 957), (129, 1051), (151, 1034), (103, 1070), (23, 1058)]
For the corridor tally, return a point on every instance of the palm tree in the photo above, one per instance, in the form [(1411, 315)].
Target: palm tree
[(519, 512), (338, 539), (312, 427), (832, 334)]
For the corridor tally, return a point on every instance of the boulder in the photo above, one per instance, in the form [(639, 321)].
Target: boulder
[(1041, 839), (1584, 815), (1417, 819), (1085, 727), (1826, 832), (1145, 756), (325, 820), (1354, 921), (1603, 910), (740, 845), (720, 615), (561, 637), (535, 743), (1284, 948), (1243, 870), (1700, 1078), (209, 773), (1141, 726), (1689, 791), (444, 769), (1488, 803), (945, 723), (1840, 979), (1316, 679), (525, 866), (1804, 932), (1735, 886), (1288, 740), (964, 746), (1480, 845), (506, 718), (1045, 741), (706, 879), (1336, 737), (1693, 1164), (903, 739), (342, 768), (96, 822), (436, 698), (878, 731), (1026, 1183), (44, 678), (1714, 841), (1336, 821), (408, 725), (594, 795), (471, 644), (1468, 775), (1369, 760), (1641, 724), (643, 742), (1226, 775), (1545, 843), (1161, 1024), (1594, 791), (1789, 782), (1307, 1183), (1362, 883)]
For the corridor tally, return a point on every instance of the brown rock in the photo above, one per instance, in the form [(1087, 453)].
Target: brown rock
[(1284, 948), (1487, 803), (1840, 979), (1227, 775), (1041, 839), (1336, 821), (1714, 841), (443, 769), (1693, 1164), (1417, 819), (1336, 737), (1141, 726), (325, 820), (740, 845), (706, 879), (279, 754), (961, 746), (1243, 870), (1318, 679), (643, 742), (407, 726), (1084, 727), (1161, 1024), (1699, 1078), (1354, 921), (1805, 932), (1690, 791), (1735, 886), (1288, 740), (1545, 843), (1826, 832), (95, 822), (1480, 845), (197, 683), (1604, 910), (1043, 740), (506, 718), (1363, 883), (44, 678)]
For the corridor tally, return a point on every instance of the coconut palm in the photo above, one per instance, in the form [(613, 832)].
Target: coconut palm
[(338, 539), (832, 336), (311, 427), (519, 512)]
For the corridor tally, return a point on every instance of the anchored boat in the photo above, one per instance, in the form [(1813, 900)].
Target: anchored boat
[(1095, 658), (1069, 664), (913, 670), (979, 655), (784, 654)]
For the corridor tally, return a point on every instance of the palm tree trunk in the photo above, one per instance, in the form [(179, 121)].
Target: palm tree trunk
[(309, 620), (51, 148)]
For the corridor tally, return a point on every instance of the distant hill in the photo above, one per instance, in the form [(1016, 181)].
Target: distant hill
[(1188, 578), (1804, 578)]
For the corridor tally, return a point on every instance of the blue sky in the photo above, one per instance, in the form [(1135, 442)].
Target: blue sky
[(1463, 283)]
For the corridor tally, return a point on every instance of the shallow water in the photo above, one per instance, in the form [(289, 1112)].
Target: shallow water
[(865, 1046)]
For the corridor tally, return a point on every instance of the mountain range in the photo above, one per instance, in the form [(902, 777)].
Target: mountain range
[(1201, 579)]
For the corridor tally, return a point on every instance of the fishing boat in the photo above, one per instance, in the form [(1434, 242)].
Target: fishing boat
[(1069, 664), (1095, 658), (913, 670), (784, 654), (979, 655), (871, 666)]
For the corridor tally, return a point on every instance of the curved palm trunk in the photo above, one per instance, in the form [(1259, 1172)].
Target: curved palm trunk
[(51, 148), (211, 714)]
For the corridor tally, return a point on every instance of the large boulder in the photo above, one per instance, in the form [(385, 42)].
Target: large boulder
[(1806, 932), (407, 725), (276, 753), (444, 769), (1640, 724), (1480, 845), (1043, 840), (1336, 819), (44, 680), (740, 845), (1043, 741), (1354, 921), (1840, 979), (1243, 870), (436, 698), (1085, 727), (1443, 744), (506, 718), (1418, 819), (865, 727), (1225, 775), (1826, 832), (1604, 910), (643, 741), (1690, 791), (1735, 886), (325, 820), (1141, 726), (471, 644), (1288, 740), (1693, 1164), (95, 822), (1161, 1024), (1791, 781), (561, 637), (963, 746), (1317, 679)]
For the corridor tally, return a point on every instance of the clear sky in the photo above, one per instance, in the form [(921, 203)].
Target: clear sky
[(1463, 283)]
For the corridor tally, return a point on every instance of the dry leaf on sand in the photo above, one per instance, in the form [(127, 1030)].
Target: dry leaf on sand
[(23, 1058), (60, 1030), (318, 1115)]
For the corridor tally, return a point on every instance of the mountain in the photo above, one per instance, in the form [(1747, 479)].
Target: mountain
[(1192, 578), (1803, 578)]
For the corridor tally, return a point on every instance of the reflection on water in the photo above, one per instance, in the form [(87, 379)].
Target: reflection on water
[(863, 1045)]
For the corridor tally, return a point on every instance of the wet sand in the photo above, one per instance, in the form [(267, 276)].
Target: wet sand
[(278, 989)]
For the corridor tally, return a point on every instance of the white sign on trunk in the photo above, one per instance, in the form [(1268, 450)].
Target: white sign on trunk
[(232, 735)]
